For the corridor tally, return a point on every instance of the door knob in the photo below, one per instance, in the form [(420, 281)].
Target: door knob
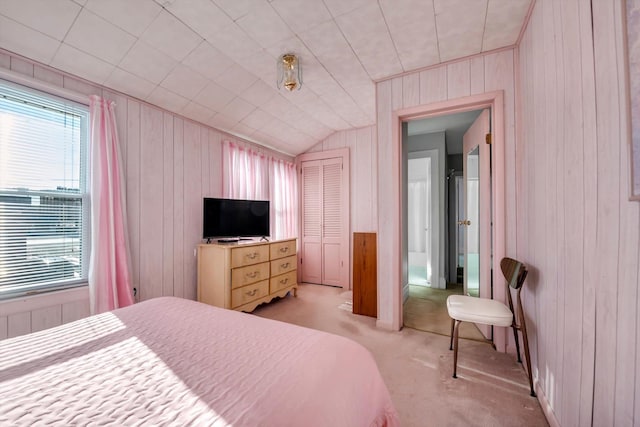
[(464, 222)]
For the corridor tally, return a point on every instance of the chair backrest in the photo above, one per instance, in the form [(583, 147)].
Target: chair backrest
[(514, 271)]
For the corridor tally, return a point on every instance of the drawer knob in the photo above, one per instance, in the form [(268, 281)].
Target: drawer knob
[(284, 250), (285, 265), (253, 275), (284, 281), (253, 255), (252, 293)]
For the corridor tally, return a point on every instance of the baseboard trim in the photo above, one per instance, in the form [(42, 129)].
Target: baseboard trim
[(546, 406), (381, 324)]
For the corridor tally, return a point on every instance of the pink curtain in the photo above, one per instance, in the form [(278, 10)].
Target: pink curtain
[(284, 199), (253, 176), (109, 278), (247, 173)]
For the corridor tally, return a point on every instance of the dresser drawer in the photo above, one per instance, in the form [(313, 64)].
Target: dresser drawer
[(249, 293), (282, 281), (249, 255), (250, 274), (283, 249), (283, 265)]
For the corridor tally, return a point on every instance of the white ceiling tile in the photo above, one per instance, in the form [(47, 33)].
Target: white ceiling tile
[(130, 84), (184, 81), (340, 7), (214, 96), (236, 79), (259, 93), (334, 52), (81, 64), (207, 60), (264, 25), (367, 33), (413, 30), (242, 130), (198, 112), (202, 16), (167, 34), (26, 41), (261, 64), (460, 25), (166, 99), (258, 118), (504, 21), (235, 43), (81, 2), (222, 122), (147, 62), (235, 8), (300, 15), (53, 18), (277, 106), (238, 109), (95, 36), (132, 16)]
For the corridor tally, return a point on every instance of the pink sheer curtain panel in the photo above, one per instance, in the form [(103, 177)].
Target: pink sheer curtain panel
[(247, 173), (109, 272), (284, 199)]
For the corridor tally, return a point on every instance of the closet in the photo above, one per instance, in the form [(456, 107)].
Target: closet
[(324, 202)]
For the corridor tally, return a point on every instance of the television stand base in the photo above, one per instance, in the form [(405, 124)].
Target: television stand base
[(228, 240)]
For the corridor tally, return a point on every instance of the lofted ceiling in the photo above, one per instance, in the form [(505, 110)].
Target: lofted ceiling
[(214, 61)]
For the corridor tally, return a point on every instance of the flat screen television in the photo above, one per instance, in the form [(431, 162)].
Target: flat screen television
[(232, 219)]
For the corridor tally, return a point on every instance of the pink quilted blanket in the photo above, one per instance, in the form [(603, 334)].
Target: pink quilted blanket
[(170, 361)]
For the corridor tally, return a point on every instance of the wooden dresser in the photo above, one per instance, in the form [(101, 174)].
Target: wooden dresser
[(240, 276)]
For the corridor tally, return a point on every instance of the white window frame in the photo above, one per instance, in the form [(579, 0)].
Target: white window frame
[(29, 84)]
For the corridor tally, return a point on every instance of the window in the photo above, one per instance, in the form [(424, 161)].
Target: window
[(44, 206)]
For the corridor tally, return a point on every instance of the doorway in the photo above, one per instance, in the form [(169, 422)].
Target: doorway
[(436, 254)]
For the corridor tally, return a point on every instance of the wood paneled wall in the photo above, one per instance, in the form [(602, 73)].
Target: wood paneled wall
[(171, 163), (576, 227), (479, 74)]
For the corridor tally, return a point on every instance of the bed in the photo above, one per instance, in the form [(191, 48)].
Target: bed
[(171, 361)]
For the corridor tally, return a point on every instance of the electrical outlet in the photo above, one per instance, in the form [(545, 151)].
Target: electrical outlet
[(194, 252)]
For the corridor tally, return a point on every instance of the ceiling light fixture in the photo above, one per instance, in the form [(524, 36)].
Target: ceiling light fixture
[(289, 72)]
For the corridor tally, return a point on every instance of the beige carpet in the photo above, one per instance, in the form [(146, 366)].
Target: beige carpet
[(426, 310), (491, 388)]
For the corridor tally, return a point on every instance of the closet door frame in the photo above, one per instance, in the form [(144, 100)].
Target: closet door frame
[(345, 242)]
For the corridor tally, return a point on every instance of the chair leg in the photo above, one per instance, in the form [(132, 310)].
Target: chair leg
[(523, 327), (453, 322), (515, 334), (455, 347)]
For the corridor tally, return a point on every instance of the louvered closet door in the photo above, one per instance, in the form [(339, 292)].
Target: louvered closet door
[(323, 222)]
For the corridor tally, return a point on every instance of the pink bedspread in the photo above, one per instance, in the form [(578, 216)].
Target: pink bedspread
[(170, 361)]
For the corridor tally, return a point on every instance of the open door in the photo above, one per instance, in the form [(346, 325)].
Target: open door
[(477, 222)]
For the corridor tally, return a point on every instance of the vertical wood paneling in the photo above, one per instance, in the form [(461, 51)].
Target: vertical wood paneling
[(204, 156), (476, 75), (72, 311), (458, 79), (18, 324), (45, 318), (168, 207), (396, 93), (21, 66), (178, 208), (151, 202), (192, 204), (215, 164), (3, 327), (433, 85), (133, 188), (48, 75), (387, 163), (411, 89)]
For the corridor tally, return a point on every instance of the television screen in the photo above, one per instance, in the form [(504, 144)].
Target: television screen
[(235, 218)]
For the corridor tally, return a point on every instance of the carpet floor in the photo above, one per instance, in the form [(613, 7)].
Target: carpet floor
[(426, 310), (491, 389)]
